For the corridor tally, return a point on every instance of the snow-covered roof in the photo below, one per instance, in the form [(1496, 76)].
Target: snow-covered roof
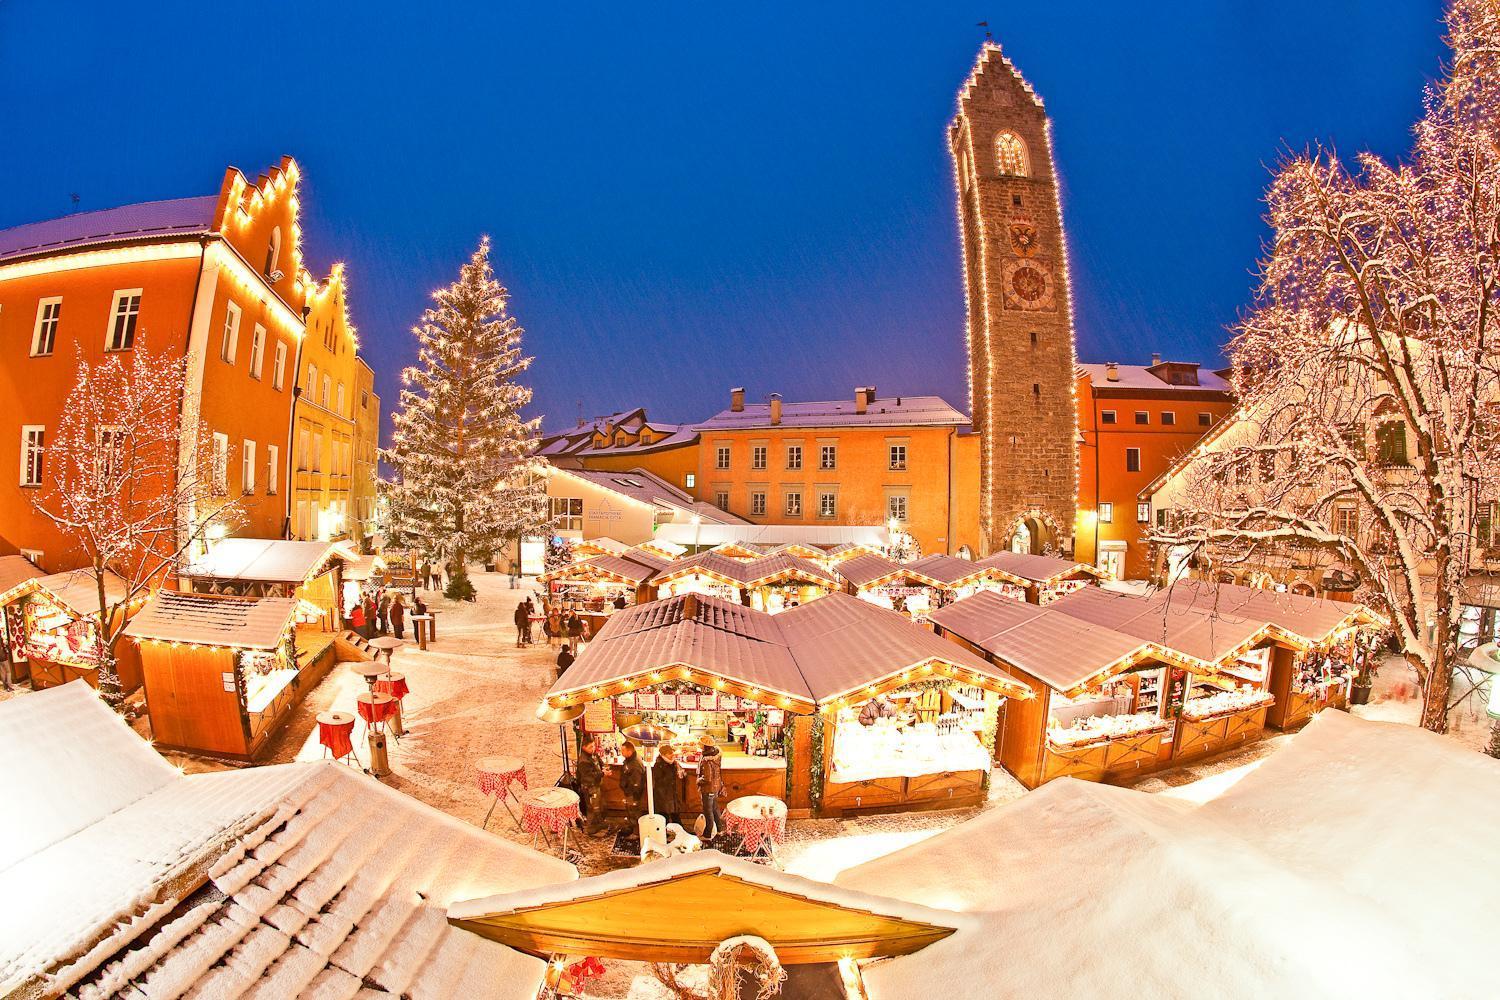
[(1143, 377), (872, 535), (266, 560), (306, 879), (1090, 890), (647, 488), (604, 544), (16, 570), (1037, 569), (127, 224), (884, 411), (78, 589), (814, 653), (363, 567), (212, 620)]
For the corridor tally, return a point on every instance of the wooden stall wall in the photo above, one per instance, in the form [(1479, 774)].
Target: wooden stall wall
[(1023, 732), (189, 704)]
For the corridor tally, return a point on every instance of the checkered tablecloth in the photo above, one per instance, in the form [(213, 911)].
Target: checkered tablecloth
[(756, 818), (495, 775), (550, 809)]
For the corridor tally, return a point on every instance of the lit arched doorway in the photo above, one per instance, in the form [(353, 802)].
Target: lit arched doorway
[(1032, 535)]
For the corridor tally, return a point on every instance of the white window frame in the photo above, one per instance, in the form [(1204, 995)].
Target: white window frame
[(898, 508), (1136, 452), (247, 468), (32, 471), (828, 457), (49, 322), (1106, 512), (278, 376), (790, 450), (273, 253), (312, 382), (758, 503), (689, 480), (257, 351), (758, 456), (1143, 512), (339, 399), (828, 504), (791, 503), (220, 470), (327, 386), (229, 345), (721, 456), (721, 499), (897, 462), (273, 469), (115, 315)]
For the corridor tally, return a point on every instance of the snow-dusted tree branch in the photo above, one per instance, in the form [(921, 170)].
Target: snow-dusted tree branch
[(465, 481), (134, 483), (1367, 370)]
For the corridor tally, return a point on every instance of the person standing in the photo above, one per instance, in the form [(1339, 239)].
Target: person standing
[(553, 626), (384, 616), (357, 619), (565, 659), (710, 785), (6, 668), (523, 624), (436, 576), (398, 617), (666, 780), (633, 785), (424, 574), (575, 630), (590, 775)]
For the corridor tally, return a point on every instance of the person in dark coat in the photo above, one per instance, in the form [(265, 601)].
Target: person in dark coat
[(666, 780), (565, 659), (372, 617), (711, 785), (523, 624), (633, 784), (383, 615), (398, 617), (619, 602), (575, 629), (590, 774)]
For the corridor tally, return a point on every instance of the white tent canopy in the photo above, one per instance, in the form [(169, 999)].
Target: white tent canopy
[(1352, 863), (772, 534)]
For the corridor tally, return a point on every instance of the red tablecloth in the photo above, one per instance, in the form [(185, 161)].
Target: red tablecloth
[(495, 775), (749, 823), (393, 684), (334, 729), (375, 709), (551, 809)]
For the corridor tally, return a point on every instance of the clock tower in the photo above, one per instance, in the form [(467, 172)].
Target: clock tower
[(1020, 321)]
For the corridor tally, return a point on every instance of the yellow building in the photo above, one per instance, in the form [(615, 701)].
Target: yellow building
[(366, 458), (323, 418)]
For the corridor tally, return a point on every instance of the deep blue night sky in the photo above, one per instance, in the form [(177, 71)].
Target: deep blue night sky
[(683, 199)]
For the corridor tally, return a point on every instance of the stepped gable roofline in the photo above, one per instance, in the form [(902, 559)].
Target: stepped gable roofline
[(991, 53), (883, 411)]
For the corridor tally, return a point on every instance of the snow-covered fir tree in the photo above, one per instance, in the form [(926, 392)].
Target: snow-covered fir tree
[(465, 484)]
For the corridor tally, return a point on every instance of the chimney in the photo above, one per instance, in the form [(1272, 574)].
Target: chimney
[(775, 408), (1112, 372), (861, 399), (737, 400), (1155, 360)]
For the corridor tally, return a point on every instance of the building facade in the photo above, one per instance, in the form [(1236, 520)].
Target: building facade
[(1134, 421), (323, 417), (362, 498), (218, 279), (1019, 317)]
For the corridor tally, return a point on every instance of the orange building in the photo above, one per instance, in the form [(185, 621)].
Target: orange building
[(218, 278), (1133, 422), (625, 441)]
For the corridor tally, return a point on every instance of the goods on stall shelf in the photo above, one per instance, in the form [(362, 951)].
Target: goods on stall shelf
[(1107, 727), (888, 749), (1198, 709)]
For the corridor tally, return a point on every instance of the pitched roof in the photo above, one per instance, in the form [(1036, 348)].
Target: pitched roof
[(16, 570), (1037, 569), (78, 589), (867, 568), (266, 560), (650, 489), (1142, 377), (1267, 865), (211, 620), (885, 411), (1057, 649), (813, 653), (287, 880), (148, 220)]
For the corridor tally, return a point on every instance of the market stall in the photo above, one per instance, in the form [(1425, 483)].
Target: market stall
[(362, 576), (781, 581), (1045, 578), (783, 695), (278, 567), (594, 586), (222, 673), (52, 624), (587, 548), (919, 588), (711, 574)]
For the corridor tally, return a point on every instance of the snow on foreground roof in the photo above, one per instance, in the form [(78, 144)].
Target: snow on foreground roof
[(277, 881), (1313, 876), (266, 560)]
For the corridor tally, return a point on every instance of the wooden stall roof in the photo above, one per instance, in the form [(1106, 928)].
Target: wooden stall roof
[(713, 564), (797, 549), (848, 550), (267, 560), (601, 546), (15, 571), (1059, 650), (738, 550), (363, 567), (679, 909), (872, 569), (784, 567), (813, 654), (212, 620), (1037, 569), (952, 571), (623, 569), (78, 589)]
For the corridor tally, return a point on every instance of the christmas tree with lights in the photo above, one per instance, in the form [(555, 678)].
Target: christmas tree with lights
[(465, 482)]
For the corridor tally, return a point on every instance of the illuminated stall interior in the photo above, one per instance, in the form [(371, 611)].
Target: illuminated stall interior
[(587, 548), (919, 588), (52, 626), (765, 583), (1046, 578), (783, 695), (593, 586), (362, 576), (312, 572)]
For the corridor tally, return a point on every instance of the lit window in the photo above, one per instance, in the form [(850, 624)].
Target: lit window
[(1107, 513), (278, 377), (828, 505), (229, 346), (123, 319), (895, 507), (33, 450), (44, 337), (567, 513), (898, 458), (689, 480), (221, 464), (828, 457), (1010, 155), (794, 505), (1143, 513)]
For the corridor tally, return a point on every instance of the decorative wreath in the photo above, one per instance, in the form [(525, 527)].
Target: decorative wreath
[(744, 952)]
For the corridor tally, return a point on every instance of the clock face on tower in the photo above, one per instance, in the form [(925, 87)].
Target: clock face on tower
[(1028, 285)]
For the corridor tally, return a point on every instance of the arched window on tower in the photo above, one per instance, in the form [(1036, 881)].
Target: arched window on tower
[(1010, 155), (273, 252)]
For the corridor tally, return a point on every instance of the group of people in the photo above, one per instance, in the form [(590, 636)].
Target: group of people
[(383, 612), (666, 776), (558, 623)]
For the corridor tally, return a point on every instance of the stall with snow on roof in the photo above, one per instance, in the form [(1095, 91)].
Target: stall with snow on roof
[(593, 586), (52, 624), (788, 695), (222, 673), (1045, 578), (763, 582), (918, 588)]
